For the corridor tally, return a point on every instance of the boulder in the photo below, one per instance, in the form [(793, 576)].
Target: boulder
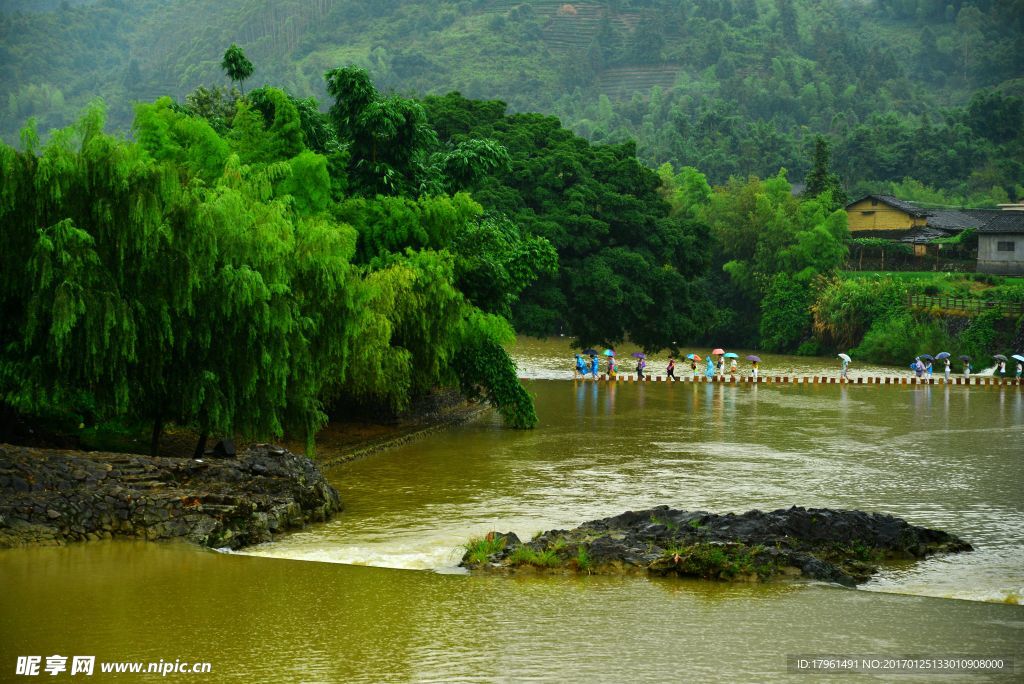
[(230, 502), (840, 546)]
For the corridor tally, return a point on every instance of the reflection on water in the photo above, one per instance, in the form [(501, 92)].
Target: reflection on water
[(268, 620), (603, 449)]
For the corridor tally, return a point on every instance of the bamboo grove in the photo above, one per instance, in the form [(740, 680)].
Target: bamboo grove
[(252, 271)]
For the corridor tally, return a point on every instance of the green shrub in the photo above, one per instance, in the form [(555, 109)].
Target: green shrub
[(785, 313), (844, 309), (978, 340), (811, 347), (898, 338)]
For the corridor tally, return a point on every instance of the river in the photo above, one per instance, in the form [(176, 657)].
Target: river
[(386, 602)]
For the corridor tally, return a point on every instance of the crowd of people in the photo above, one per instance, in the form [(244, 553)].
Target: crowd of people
[(589, 368), (922, 366)]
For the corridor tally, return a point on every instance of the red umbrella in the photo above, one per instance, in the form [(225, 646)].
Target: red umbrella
[(717, 350)]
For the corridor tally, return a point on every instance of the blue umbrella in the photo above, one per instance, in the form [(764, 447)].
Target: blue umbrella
[(942, 355), (589, 352), (609, 352), (926, 357), (694, 357), (730, 355)]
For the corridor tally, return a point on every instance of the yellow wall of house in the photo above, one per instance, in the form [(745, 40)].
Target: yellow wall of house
[(864, 216)]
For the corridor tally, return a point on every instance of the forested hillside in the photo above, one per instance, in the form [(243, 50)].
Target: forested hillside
[(903, 88)]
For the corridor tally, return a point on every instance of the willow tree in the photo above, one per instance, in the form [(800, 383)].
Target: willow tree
[(141, 298)]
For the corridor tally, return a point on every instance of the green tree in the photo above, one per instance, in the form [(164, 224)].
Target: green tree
[(236, 65), (821, 178)]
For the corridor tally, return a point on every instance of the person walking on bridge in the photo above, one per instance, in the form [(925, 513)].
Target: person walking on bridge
[(670, 371), (581, 369)]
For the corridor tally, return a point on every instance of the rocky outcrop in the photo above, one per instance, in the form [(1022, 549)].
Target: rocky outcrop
[(814, 543), (51, 496)]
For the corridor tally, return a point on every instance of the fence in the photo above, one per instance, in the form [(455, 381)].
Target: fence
[(966, 304)]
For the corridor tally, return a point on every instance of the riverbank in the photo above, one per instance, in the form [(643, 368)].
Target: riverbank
[(342, 441), (53, 497)]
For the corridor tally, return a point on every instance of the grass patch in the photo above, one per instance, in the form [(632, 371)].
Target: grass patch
[(717, 561), (524, 555), (479, 550), (670, 525), (582, 561)]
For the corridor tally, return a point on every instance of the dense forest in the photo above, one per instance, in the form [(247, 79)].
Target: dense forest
[(902, 89), (250, 252), (255, 273)]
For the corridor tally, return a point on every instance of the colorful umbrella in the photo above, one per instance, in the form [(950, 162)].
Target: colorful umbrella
[(639, 355), (1019, 357), (845, 357), (965, 357), (755, 359), (942, 355), (717, 350), (1000, 357), (589, 352), (609, 352), (730, 355), (694, 357)]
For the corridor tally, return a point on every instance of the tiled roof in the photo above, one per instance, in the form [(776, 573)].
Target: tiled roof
[(1005, 222), (926, 234), (895, 203), (960, 219)]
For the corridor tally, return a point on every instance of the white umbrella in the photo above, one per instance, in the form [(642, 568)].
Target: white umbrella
[(846, 358)]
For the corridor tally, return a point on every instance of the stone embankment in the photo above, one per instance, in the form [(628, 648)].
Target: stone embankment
[(838, 546), (50, 496)]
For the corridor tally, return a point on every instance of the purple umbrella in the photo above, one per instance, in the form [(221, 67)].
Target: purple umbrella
[(639, 355), (755, 359)]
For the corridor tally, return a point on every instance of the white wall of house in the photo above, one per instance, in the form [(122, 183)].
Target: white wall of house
[(1001, 254)]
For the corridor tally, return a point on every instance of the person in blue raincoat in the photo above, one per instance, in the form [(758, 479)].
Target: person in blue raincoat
[(593, 366), (581, 368), (710, 370)]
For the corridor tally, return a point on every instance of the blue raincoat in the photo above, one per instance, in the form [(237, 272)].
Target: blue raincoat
[(710, 370)]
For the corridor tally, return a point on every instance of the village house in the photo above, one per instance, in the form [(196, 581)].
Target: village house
[(884, 216), (1000, 231), (1001, 244)]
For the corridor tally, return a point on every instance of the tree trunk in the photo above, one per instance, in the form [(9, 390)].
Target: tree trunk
[(201, 445), (883, 259), (154, 440), (310, 442)]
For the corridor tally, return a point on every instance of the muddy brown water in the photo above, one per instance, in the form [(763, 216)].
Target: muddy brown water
[(384, 601)]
